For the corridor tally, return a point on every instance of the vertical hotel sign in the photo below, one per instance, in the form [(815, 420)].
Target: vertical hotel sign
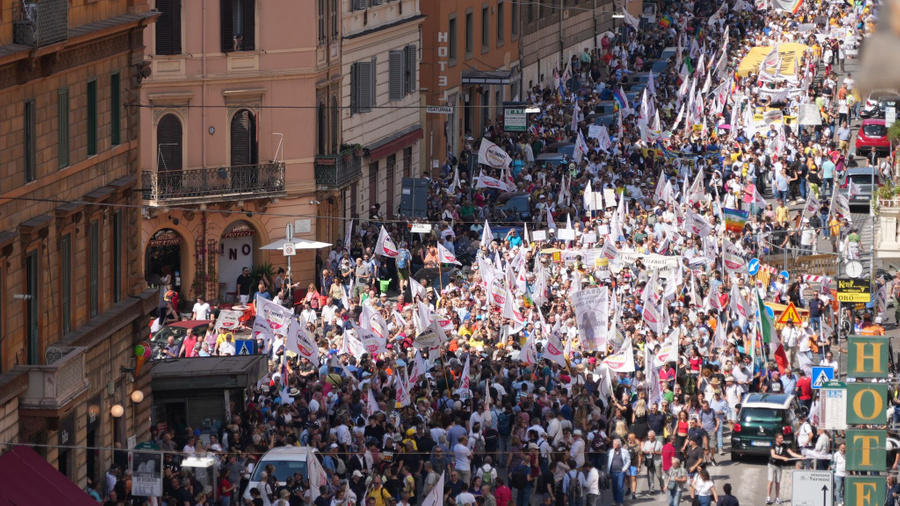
[(443, 53), (866, 405)]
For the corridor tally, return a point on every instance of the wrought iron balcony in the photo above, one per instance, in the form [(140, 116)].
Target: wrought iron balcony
[(214, 184), (40, 23), (55, 384), (334, 172)]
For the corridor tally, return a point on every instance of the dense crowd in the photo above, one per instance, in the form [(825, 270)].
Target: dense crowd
[(606, 335)]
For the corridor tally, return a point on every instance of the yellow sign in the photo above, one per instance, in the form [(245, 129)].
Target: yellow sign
[(601, 262), (789, 314)]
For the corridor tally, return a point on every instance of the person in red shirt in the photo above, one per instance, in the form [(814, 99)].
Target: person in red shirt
[(668, 453), (502, 494), (804, 389)]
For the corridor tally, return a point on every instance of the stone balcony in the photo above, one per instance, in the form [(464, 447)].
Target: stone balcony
[(52, 386)]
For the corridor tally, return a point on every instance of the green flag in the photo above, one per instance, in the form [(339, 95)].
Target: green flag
[(766, 322)]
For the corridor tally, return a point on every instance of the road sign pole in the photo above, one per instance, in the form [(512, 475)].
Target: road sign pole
[(289, 237)]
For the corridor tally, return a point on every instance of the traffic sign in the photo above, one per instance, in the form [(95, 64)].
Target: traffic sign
[(289, 249), (812, 488), (821, 375), (890, 116), (790, 313), (245, 347), (753, 266), (787, 276)]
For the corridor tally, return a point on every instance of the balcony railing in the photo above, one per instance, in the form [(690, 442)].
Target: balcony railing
[(54, 385), (334, 172), (40, 23), (215, 183)]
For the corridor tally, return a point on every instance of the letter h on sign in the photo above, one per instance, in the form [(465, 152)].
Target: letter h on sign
[(867, 357)]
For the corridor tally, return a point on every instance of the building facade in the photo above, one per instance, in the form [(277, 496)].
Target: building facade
[(470, 66), (233, 88), (379, 112), (72, 305)]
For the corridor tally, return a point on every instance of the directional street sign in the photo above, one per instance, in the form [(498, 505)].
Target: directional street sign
[(812, 488), (753, 266), (821, 375)]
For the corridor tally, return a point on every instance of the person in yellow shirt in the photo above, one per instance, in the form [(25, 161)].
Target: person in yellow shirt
[(781, 213), (378, 493)]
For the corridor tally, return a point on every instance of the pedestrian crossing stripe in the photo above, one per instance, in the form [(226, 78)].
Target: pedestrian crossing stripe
[(821, 380)]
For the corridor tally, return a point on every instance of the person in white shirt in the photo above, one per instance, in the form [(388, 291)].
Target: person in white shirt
[(790, 338), (463, 458), (328, 313), (840, 471), (591, 484), (189, 447), (652, 450), (201, 310), (578, 447)]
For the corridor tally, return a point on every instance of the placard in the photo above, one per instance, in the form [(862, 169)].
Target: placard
[(854, 290), (566, 234), (539, 235), (833, 415), (515, 119), (867, 356), (609, 195), (589, 237)]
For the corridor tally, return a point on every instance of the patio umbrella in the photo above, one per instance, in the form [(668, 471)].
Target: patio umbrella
[(298, 244)]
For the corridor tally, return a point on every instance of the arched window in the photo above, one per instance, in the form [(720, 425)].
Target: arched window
[(335, 122), (244, 140), (169, 139), (322, 127)]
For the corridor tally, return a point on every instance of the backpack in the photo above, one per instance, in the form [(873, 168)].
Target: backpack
[(487, 475), (519, 479), (504, 424), (576, 491), (602, 480)]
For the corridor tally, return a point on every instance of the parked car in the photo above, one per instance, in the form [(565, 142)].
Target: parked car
[(872, 134), (862, 177), (516, 205), (552, 159), (566, 148), (606, 120), (659, 67), (870, 108), (177, 330), (760, 418), (668, 53)]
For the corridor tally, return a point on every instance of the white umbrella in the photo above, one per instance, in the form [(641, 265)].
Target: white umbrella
[(298, 244)]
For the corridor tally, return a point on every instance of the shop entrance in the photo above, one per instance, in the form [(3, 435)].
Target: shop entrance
[(235, 253), (163, 257)]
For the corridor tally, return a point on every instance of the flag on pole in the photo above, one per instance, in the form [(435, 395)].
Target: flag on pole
[(486, 235), (348, 237), (385, 245), (372, 404), (445, 257), (463, 390)]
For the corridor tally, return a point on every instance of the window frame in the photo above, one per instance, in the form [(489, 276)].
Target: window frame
[(92, 117), (470, 33), (515, 14), (65, 282), (115, 107), (501, 23), (63, 107), (485, 28), (93, 238), (168, 21), (452, 40), (30, 144)]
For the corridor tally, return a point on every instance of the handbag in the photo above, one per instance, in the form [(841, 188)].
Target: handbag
[(695, 501)]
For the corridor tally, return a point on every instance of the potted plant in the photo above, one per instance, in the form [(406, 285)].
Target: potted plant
[(357, 150)]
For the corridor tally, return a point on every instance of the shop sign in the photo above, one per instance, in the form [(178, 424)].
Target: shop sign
[(164, 238), (66, 434), (515, 119), (867, 357), (854, 290), (239, 231), (866, 450), (867, 403), (864, 490)]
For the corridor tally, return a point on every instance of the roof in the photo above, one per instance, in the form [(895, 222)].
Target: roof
[(37, 482), (873, 121), (180, 374), (767, 401)]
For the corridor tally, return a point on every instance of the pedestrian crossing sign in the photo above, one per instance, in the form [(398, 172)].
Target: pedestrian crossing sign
[(820, 376), (790, 313), (244, 347)]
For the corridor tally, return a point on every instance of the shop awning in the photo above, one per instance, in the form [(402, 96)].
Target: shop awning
[(487, 77), (218, 373), (36, 481), (394, 142)]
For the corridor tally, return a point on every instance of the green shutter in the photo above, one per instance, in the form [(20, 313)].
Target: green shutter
[(115, 96), (92, 117), (63, 114)]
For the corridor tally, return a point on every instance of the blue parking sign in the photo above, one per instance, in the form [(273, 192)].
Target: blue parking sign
[(821, 375), (244, 347)]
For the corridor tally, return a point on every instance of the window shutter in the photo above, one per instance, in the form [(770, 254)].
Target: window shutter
[(249, 22), (364, 72), (373, 82), (412, 58), (169, 139), (354, 89), (396, 75), (359, 5), (168, 27), (227, 26), (376, 2)]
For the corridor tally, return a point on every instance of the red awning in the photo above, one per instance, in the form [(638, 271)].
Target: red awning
[(30, 479), (394, 145)]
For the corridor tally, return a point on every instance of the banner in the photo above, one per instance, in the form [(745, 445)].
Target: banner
[(735, 219), (272, 316), (228, 320), (493, 155), (370, 340), (146, 471), (623, 360), (731, 257), (591, 317), (445, 257), (490, 182), (555, 351), (668, 352), (301, 342), (385, 245)]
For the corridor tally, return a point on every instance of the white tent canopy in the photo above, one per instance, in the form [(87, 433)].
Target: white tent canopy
[(298, 244)]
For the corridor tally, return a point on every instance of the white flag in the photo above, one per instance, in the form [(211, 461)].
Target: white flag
[(347, 238), (732, 257), (274, 317), (435, 497), (493, 155), (555, 349), (372, 404), (630, 19), (490, 182), (445, 257), (812, 204), (301, 342), (464, 380), (486, 235), (623, 360), (416, 288), (370, 340), (385, 245), (581, 148)]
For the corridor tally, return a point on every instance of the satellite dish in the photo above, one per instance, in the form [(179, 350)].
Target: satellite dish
[(52, 355)]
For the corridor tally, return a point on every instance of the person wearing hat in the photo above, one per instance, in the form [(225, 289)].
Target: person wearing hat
[(577, 451)]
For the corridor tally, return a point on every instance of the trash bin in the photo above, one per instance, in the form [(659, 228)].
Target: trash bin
[(385, 284)]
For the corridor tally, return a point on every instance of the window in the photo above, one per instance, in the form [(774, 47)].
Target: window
[(168, 144), (501, 28), (485, 28), (359, 5), (30, 142), (117, 255), (389, 184), (402, 72), (452, 40), (94, 267), (407, 162), (530, 12), (362, 86), (31, 306), (335, 14), (322, 120), (238, 25), (63, 117), (321, 17), (65, 281), (92, 117), (335, 124), (244, 142), (470, 34), (168, 27), (115, 98), (373, 183), (515, 19)]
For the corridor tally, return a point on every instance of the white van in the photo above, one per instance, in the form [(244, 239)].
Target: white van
[(287, 461)]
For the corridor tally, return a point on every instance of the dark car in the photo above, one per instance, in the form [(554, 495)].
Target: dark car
[(516, 205), (760, 418), (177, 330)]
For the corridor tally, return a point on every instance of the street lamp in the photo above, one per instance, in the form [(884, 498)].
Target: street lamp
[(117, 411)]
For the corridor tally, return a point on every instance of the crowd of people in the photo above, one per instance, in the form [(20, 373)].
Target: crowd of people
[(603, 340)]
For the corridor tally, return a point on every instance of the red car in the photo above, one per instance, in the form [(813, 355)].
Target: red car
[(872, 133)]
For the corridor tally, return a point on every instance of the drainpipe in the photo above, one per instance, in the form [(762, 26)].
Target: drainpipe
[(562, 47), (203, 134)]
